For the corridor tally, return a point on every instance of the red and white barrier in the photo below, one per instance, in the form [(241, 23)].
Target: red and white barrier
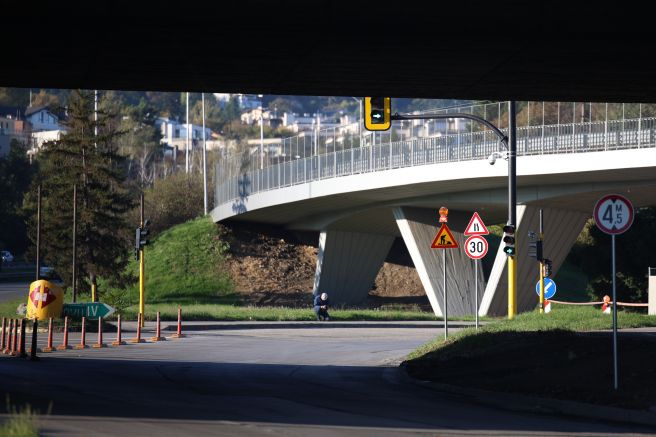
[(179, 333), (138, 338), (49, 347), (100, 343), (118, 340), (64, 345), (83, 335), (158, 331)]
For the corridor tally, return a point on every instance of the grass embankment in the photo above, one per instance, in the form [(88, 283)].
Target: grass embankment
[(184, 267), (20, 422), (561, 354)]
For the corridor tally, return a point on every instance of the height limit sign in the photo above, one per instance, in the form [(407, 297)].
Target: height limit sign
[(613, 214)]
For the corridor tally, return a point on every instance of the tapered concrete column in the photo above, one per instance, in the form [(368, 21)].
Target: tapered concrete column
[(347, 264), (561, 228), (418, 228)]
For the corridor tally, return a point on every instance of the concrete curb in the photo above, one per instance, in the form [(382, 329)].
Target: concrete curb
[(534, 404), (191, 326)]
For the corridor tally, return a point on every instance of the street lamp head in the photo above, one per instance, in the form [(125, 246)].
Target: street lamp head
[(492, 158)]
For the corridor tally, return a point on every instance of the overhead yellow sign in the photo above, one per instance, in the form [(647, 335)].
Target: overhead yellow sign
[(444, 239)]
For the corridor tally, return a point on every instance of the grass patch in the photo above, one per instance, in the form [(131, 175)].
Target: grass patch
[(561, 318), (563, 354), (21, 422), (184, 265), (245, 313)]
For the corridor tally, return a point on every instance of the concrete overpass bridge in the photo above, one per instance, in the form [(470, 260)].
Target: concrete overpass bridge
[(360, 191)]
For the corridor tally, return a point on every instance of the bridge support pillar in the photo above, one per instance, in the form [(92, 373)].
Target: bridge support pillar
[(347, 264), (418, 228), (561, 228)]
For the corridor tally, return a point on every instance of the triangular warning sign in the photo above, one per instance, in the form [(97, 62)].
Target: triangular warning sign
[(444, 239), (476, 226)]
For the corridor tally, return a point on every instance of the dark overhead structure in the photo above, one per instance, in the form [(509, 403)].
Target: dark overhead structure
[(570, 51)]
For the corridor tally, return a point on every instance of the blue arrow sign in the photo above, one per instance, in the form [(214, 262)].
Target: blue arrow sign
[(549, 288)]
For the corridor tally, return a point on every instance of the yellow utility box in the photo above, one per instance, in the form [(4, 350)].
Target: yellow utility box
[(45, 300)]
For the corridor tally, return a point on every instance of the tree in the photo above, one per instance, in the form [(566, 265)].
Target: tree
[(94, 165), (15, 177)]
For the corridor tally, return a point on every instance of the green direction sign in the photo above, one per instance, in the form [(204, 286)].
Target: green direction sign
[(90, 310)]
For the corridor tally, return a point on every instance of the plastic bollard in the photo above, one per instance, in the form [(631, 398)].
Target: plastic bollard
[(138, 338), (118, 340), (100, 343), (179, 333), (83, 335), (158, 331), (64, 345), (49, 347)]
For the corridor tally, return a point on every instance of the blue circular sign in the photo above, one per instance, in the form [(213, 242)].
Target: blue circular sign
[(549, 288)]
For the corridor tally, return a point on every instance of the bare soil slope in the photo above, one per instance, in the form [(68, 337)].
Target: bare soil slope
[(273, 267)]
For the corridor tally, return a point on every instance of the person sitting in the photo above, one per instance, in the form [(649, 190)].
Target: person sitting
[(321, 306)]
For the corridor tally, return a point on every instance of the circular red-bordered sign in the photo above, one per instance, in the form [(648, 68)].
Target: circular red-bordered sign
[(476, 247), (613, 214)]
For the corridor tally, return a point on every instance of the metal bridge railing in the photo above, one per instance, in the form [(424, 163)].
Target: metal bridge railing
[(300, 163)]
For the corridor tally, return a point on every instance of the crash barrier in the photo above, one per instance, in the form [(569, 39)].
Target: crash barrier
[(626, 304)]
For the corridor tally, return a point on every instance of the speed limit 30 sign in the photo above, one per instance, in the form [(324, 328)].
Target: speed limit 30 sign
[(476, 247), (613, 214)]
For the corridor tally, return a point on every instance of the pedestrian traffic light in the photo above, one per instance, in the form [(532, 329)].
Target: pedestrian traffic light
[(547, 268), (509, 239), (377, 113)]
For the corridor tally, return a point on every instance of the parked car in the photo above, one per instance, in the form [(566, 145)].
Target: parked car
[(46, 271), (7, 257)]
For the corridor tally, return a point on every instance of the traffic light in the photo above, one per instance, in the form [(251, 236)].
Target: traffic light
[(377, 113), (509, 239), (140, 239), (547, 268), (535, 249)]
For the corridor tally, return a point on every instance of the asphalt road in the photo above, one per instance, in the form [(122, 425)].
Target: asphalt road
[(318, 380), (14, 290)]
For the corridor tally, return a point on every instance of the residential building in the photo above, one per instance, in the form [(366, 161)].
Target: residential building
[(174, 133), (41, 118)]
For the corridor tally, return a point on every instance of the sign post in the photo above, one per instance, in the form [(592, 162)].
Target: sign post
[(613, 214), (476, 248), (444, 240)]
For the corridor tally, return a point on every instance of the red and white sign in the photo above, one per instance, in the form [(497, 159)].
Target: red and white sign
[(44, 297), (613, 214), (444, 239), (547, 306), (476, 226), (476, 247)]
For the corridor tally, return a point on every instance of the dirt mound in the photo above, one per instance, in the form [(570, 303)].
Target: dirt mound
[(270, 266)]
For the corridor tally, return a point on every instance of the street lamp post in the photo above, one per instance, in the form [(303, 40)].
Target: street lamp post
[(261, 96), (510, 141)]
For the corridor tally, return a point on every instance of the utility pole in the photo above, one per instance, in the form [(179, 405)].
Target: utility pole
[(141, 266), (512, 209), (204, 159), (187, 144), (95, 118), (38, 232), (74, 279), (261, 96)]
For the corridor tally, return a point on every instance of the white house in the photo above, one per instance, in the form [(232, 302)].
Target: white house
[(42, 119), (174, 133)]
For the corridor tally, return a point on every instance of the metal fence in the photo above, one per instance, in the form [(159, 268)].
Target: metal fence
[(346, 150)]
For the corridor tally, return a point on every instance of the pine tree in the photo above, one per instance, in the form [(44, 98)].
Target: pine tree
[(92, 163)]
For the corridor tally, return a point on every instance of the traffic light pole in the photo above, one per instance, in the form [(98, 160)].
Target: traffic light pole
[(541, 238), (512, 206), (510, 142), (141, 267)]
